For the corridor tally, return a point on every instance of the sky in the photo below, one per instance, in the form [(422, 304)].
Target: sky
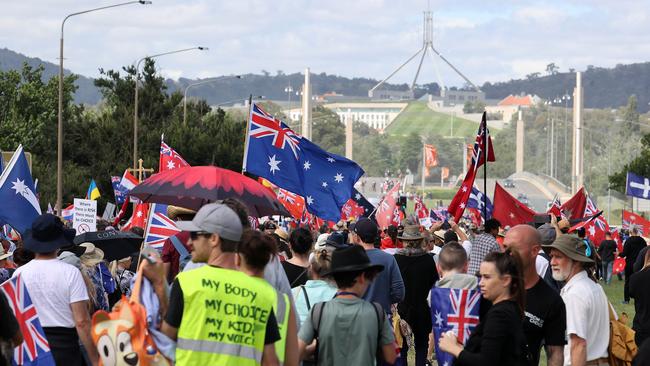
[(487, 40)]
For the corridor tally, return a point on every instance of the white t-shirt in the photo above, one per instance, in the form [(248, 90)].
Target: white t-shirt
[(467, 245), (541, 265), (53, 285), (587, 316)]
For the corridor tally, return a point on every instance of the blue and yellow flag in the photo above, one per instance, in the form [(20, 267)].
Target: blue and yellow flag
[(93, 191)]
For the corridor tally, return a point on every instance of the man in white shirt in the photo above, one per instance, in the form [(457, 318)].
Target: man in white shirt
[(58, 292), (587, 312)]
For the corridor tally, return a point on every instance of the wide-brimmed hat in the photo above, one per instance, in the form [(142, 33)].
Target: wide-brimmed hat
[(411, 232), (176, 212), (439, 234), (4, 255), (351, 259), (282, 234), (564, 224), (336, 240), (47, 234), (571, 246), (92, 255)]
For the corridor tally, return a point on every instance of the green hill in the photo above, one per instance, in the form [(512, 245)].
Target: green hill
[(417, 117)]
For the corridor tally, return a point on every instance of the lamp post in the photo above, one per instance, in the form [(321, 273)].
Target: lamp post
[(289, 90), (201, 83), (59, 151), (135, 107), (255, 97)]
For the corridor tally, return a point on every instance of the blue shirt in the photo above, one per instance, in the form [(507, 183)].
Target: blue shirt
[(317, 291), (388, 287)]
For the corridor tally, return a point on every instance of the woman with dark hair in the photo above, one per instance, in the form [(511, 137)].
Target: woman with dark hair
[(639, 292), (300, 243), (253, 254), (499, 338)]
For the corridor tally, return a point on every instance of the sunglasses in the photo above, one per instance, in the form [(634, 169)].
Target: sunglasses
[(195, 234)]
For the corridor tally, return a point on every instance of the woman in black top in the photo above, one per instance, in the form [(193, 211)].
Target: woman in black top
[(301, 243), (418, 270), (499, 338)]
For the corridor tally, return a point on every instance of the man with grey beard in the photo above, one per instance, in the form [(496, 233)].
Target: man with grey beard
[(587, 313)]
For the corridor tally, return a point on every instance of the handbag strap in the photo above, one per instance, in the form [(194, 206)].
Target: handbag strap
[(304, 291), (180, 248)]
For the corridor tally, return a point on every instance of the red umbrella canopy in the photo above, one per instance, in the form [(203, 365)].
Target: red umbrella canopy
[(192, 187)]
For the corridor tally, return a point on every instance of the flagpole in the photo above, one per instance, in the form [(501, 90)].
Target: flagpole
[(146, 230), (423, 167), (248, 122), (485, 159)]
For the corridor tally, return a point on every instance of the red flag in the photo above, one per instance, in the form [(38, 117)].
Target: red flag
[(556, 208), (421, 210), (139, 218), (619, 265), (458, 203), (122, 212), (632, 220), (430, 156), (387, 211), (617, 238), (476, 216), (574, 208), (595, 228), (294, 203), (169, 158), (351, 210), (508, 210)]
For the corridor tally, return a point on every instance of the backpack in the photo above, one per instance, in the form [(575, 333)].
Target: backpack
[(622, 348), (122, 337), (317, 315)]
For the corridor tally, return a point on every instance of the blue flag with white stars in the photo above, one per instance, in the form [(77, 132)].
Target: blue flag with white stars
[(17, 193), (292, 162)]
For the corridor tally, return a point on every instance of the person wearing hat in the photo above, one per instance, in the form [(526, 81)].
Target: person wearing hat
[(58, 292), (281, 238), (350, 331), (587, 312), (6, 271), (208, 305), (418, 271), (388, 287)]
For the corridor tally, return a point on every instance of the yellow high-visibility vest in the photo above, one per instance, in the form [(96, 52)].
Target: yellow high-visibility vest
[(224, 317), (281, 308)]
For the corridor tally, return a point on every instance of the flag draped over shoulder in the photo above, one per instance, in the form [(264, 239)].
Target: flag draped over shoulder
[(456, 310), (459, 202), (508, 210), (35, 349), (20, 205), (292, 162)]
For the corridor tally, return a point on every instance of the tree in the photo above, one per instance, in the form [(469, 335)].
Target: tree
[(410, 153), (551, 68), (327, 131), (631, 116), (533, 75)]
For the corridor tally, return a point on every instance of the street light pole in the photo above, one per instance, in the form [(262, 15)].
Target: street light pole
[(201, 83), (135, 107), (59, 148)]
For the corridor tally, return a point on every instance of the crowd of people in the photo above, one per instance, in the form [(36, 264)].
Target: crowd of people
[(223, 293)]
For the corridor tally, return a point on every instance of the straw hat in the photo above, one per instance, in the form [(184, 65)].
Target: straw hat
[(4, 255), (92, 255)]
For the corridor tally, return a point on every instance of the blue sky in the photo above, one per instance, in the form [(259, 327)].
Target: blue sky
[(486, 40)]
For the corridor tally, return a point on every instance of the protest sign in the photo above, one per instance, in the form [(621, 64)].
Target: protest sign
[(85, 215)]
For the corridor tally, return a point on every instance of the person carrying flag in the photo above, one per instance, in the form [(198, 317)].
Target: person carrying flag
[(58, 291)]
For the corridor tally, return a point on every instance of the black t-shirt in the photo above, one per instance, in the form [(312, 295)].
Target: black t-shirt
[(545, 318), (639, 292), (175, 314), (633, 245), (606, 250), (8, 324), (296, 275)]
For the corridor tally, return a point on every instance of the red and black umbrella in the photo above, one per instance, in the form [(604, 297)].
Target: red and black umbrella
[(193, 187)]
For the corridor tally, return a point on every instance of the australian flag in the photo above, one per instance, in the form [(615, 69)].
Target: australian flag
[(476, 201), (160, 227), (19, 202), (290, 161), (637, 186), (456, 310), (35, 350), (119, 190)]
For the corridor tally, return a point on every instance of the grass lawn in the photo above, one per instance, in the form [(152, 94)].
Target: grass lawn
[(614, 293), (417, 117)]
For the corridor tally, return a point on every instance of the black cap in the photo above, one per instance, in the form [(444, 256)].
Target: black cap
[(367, 230), (351, 259), (336, 240)]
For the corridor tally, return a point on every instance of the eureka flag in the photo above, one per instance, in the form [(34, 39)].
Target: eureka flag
[(456, 310), (292, 162), (19, 203), (637, 186)]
